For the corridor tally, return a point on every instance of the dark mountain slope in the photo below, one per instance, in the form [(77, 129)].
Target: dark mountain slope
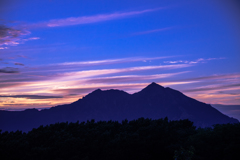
[(154, 102)]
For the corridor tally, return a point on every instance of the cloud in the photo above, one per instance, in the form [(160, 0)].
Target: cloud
[(110, 61), (153, 31), (42, 79), (9, 70), (8, 85), (131, 78), (31, 96), (22, 56), (20, 64), (31, 38), (95, 73), (130, 87), (214, 88), (213, 77), (10, 36), (3, 47), (90, 19), (200, 60), (63, 79)]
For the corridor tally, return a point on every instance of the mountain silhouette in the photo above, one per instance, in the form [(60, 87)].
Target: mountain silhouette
[(153, 102)]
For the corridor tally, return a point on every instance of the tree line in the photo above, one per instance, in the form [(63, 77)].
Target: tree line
[(141, 139)]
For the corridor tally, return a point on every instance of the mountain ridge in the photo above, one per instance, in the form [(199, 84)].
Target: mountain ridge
[(153, 101)]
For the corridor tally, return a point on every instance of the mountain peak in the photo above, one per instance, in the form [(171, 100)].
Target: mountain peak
[(153, 86), (154, 102), (95, 92)]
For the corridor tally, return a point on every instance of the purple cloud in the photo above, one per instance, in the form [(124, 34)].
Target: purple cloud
[(224, 77), (20, 64), (9, 70), (10, 36), (31, 96), (213, 88)]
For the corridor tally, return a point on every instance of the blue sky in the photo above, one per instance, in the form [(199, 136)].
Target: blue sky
[(55, 51)]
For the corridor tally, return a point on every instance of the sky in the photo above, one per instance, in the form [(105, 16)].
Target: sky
[(56, 51)]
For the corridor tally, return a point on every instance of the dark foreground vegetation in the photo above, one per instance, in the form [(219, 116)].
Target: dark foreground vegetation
[(144, 139)]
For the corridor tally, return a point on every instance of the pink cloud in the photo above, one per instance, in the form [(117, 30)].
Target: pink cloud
[(10, 36)]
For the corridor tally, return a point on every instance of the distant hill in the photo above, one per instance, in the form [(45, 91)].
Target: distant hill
[(153, 102), (230, 110)]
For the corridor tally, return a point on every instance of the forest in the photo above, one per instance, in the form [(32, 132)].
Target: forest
[(140, 139)]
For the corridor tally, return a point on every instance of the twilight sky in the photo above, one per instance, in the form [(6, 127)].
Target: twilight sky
[(56, 51)]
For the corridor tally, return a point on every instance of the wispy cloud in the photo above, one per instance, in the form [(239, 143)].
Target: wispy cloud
[(131, 87), (215, 88), (9, 70), (90, 19), (95, 73), (222, 89), (48, 78), (10, 36), (62, 79), (31, 96), (71, 66), (131, 78), (37, 82), (214, 77), (153, 31), (200, 60), (111, 61), (19, 64)]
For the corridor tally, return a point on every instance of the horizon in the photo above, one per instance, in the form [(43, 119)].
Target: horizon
[(229, 111), (72, 48)]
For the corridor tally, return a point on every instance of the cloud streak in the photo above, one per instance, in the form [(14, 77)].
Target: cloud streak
[(131, 87), (90, 19), (95, 73), (200, 60), (9, 70), (31, 96), (153, 31), (131, 78), (10, 36), (111, 61), (19, 64), (63, 79), (214, 77), (215, 87)]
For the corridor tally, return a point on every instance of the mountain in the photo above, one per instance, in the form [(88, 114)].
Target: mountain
[(230, 110), (154, 102)]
